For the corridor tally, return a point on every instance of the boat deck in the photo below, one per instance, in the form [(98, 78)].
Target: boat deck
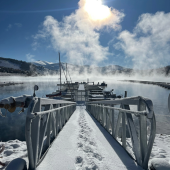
[(85, 144)]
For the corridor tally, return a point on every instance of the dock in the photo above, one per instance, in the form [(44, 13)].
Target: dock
[(161, 84)]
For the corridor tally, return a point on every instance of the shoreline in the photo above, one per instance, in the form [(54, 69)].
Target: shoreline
[(161, 84), (2, 84)]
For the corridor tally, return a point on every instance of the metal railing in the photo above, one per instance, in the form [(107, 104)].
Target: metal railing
[(141, 140), (45, 119)]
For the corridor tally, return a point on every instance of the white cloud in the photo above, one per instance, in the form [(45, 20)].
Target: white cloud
[(149, 43), (77, 35), (30, 57), (9, 27), (18, 25)]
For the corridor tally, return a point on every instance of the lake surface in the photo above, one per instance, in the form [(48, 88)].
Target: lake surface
[(13, 126)]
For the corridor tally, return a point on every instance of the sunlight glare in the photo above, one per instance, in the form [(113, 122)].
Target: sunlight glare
[(96, 10)]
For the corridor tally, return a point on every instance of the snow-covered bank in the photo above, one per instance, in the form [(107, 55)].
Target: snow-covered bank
[(13, 149), (161, 150)]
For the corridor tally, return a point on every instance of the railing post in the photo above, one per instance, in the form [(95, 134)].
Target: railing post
[(150, 142), (118, 124), (113, 121), (103, 114), (97, 111), (57, 121), (62, 115), (43, 130), (142, 130), (60, 119), (49, 127), (133, 134), (123, 130), (35, 128), (107, 120), (54, 124), (100, 116), (29, 143)]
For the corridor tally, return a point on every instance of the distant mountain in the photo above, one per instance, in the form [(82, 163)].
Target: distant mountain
[(8, 65), (47, 65), (110, 69), (36, 68)]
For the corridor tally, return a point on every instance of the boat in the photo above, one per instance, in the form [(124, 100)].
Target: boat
[(80, 91)]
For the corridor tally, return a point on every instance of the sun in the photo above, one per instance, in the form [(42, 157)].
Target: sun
[(96, 10)]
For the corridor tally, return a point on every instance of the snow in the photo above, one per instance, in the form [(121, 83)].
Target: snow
[(161, 151), (7, 64), (43, 63), (47, 62), (13, 149), (160, 164), (85, 144)]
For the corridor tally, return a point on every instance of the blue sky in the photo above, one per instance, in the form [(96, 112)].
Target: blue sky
[(137, 33)]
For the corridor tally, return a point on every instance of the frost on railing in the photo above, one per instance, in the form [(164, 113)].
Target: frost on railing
[(133, 129), (45, 119)]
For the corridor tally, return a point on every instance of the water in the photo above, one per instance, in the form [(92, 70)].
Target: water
[(13, 126)]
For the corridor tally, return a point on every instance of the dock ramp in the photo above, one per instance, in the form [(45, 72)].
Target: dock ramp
[(85, 144), (105, 135)]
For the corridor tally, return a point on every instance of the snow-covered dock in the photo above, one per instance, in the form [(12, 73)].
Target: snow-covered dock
[(85, 144)]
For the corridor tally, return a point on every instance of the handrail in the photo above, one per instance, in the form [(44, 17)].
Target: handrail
[(42, 127), (142, 145), (136, 113), (52, 110), (129, 101)]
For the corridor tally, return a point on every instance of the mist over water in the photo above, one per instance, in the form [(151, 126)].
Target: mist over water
[(13, 126)]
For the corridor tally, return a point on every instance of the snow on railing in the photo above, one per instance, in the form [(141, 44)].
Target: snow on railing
[(45, 119), (136, 121)]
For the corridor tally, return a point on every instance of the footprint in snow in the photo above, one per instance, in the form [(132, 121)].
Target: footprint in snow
[(97, 156), (78, 160), (87, 149), (90, 165), (80, 145)]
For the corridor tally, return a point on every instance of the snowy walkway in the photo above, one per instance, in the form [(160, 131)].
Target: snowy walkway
[(84, 144)]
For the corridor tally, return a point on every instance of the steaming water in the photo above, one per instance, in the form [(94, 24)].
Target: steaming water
[(13, 126)]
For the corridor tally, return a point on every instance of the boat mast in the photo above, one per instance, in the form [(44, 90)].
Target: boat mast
[(60, 71), (66, 72)]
